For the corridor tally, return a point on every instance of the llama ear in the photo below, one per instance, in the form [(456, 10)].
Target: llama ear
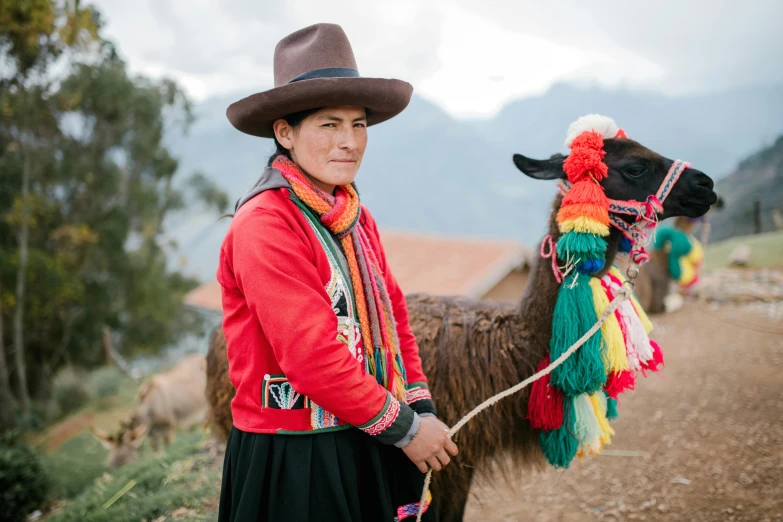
[(551, 168)]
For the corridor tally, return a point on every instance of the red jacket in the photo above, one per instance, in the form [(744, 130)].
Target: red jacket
[(288, 358)]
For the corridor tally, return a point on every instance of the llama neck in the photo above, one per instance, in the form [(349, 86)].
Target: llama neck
[(538, 300)]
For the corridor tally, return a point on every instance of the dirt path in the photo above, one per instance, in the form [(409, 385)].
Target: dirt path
[(709, 428)]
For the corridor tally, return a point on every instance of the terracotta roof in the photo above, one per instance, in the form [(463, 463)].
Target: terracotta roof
[(436, 265), (441, 265), (206, 296)]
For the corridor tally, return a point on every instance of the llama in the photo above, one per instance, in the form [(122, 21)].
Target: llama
[(472, 350), (166, 402)]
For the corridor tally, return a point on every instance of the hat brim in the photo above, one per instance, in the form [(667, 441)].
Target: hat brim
[(383, 98)]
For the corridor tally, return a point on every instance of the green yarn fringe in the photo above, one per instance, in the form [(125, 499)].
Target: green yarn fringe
[(578, 245), (584, 371), (560, 445), (611, 408)]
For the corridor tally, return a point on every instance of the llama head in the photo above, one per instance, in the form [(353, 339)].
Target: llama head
[(123, 445), (634, 172)]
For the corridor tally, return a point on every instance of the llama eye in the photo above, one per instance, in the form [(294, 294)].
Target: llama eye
[(635, 171)]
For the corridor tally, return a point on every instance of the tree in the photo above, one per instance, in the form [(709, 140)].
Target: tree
[(6, 402), (34, 33), (86, 183)]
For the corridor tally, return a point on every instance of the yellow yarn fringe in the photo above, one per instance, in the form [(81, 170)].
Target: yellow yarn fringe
[(598, 399), (585, 225), (613, 353), (648, 326)]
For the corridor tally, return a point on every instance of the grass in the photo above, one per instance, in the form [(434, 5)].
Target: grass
[(75, 465), (766, 251), (184, 479), (181, 484)]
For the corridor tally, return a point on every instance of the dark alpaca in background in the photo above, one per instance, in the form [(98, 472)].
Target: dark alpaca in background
[(473, 349)]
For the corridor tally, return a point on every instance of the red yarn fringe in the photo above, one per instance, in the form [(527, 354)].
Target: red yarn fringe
[(656, 363), (545, 406), (618, 382)]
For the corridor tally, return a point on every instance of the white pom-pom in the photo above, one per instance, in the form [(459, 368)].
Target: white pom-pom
[(603, 125)]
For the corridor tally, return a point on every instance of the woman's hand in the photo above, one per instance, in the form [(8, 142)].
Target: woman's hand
[(431, 446)]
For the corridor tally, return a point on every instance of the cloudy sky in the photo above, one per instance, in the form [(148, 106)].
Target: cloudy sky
[(468, 56)]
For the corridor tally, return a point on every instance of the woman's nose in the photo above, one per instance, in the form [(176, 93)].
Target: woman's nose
[(346, 140)]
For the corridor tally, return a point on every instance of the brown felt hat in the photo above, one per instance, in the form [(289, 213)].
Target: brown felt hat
[(315, 67)]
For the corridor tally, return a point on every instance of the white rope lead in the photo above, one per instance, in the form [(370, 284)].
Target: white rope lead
[(623, 294)]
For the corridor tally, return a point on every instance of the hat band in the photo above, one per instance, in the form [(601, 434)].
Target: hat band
[(329, 72)]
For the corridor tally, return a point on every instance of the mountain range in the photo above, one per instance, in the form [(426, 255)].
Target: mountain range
[(425, 171), (757, 181)]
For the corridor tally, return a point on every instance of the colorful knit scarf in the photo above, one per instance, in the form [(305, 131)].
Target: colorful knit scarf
[(340, 214), (572, 405)]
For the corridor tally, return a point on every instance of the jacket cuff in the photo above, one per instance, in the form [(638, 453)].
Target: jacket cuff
[(408, 438), (392, 423), (418, 397)]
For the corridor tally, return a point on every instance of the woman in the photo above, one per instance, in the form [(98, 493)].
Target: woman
[(332, 416)]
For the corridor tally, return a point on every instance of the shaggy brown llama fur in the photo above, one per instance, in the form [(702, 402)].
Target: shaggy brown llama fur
[(473, 349)]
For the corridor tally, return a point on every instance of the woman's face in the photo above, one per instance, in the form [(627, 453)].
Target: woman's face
[(328, 145)]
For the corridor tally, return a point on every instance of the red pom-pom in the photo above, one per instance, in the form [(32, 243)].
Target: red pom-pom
[(545, 406), (618, 382), (586, 158), (589, 140), (656, 363), (583, 163)]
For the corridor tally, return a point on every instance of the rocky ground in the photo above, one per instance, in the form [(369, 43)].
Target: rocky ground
[(729, 285)]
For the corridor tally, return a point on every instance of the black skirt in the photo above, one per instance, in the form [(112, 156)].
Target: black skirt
[(340, 476)]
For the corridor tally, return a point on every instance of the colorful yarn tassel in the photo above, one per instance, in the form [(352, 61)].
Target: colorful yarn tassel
[(648, 326), (618, 382), (572, 406), (588, 430), (574, 315), (615, 358), (600, 407), (585, 251), (545, 406), (560, 445), (611, 408), (643, 317), (583, 218), (656, 363)]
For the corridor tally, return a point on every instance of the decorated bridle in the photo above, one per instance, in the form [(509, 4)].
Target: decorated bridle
[(589, 211), (636, 234)]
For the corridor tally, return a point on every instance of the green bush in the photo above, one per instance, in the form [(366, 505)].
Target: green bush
[(23, 483), (70, 391), (105, 382)]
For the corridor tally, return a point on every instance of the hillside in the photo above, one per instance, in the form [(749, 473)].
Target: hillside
[(757, 178), (426, 171)]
